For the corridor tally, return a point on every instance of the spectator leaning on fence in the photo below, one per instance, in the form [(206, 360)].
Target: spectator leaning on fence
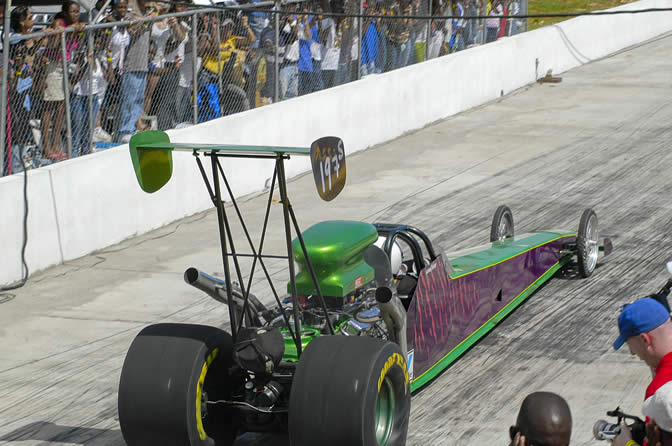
[(167, 36), (470, 27), (258, 21), (493, 22), (369, 43), (348, 34), (439, 35), (54, 88), (118, 39), (331, 51), (316, 83), (305, 64), (20, 105), (134, 76), (514, 9), (504, 21), (398, 36), (289, 48), (102, 73), (458, 35), (22, 56), (231, 67), (186, 72)]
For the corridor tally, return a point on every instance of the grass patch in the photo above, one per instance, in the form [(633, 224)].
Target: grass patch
[(565, 6)]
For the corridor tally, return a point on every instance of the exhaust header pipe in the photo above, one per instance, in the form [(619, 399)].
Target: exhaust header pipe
[(216, 288), (394, 315), (391, 308)]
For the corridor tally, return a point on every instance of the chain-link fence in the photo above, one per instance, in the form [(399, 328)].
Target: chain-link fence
[(74, 90)]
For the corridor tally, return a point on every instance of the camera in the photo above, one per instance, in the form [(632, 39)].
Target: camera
[(603, 430)]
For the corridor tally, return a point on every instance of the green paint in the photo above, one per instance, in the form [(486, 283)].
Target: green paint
[(474, 259), (309, 333), (152, 157), (336, 251), (153, 167), (233, 149), (485, 328)]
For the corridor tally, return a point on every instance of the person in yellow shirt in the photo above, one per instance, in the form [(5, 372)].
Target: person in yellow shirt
[(226, 62), (229, 45)]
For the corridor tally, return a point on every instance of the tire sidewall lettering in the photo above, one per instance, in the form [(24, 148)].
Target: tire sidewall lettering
[(392, 360), (199, 391)]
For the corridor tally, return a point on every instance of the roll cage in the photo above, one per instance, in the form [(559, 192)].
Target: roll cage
[(410, 235)]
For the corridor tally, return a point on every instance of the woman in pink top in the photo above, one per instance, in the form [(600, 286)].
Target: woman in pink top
[(54, 89), (492, 22)]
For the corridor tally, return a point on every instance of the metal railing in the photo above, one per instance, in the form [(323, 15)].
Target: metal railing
[(69, 93)]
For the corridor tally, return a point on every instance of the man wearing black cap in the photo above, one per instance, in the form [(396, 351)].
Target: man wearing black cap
[(646, 327), (544, 419)]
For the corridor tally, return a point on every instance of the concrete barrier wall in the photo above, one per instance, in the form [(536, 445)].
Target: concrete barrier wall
[(82, 205)]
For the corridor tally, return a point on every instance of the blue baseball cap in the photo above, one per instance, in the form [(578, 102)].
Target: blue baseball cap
[(641, 316)]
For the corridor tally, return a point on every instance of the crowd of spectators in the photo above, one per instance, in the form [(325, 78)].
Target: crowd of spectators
[(140, 74)]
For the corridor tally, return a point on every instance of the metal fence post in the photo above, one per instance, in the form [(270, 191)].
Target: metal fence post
[(92, 60), (66, 91), (194, 48), (428, 37), (219, 52), (484, 28), (3, 96), (276, 78), (360, 21)]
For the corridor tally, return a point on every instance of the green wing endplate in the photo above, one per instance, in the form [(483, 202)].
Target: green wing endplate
[(153, 166), (151, 153)]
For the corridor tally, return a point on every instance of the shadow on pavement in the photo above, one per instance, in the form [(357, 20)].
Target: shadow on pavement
[(46, 431), (267, 439)]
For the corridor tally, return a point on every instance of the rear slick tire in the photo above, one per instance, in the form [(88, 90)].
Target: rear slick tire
[(350, 391), (169, 373)]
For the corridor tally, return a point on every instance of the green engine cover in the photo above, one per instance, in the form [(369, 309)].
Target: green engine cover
[(336, 251)]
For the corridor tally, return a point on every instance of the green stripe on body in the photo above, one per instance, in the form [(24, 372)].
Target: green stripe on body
[(479, 258)]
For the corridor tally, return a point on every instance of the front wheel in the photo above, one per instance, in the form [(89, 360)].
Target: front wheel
[(502, 224), (587, 240), (170, 373), (350, 391)]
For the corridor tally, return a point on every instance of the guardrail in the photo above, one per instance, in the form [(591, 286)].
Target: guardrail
[(73, 91)]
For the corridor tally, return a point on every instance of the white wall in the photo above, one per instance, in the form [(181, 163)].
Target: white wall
[(82, 205)]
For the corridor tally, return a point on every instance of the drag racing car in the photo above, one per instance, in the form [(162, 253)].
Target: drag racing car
[(372, 313)]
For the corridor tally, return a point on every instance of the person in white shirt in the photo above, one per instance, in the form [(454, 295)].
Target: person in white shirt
[(166, 36), (331, 50), (289, 50), (516, 24), (102, 74)]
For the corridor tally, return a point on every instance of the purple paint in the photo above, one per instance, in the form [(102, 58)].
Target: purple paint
[(445, 311)]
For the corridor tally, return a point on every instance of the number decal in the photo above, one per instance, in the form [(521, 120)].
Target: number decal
[(327, 171), (337, 166), (328, 161), (322, 179)]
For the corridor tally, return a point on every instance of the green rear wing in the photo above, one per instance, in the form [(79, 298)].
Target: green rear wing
[(152, 157)]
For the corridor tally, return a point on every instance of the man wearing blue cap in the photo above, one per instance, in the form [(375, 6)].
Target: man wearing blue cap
[(646, 327)]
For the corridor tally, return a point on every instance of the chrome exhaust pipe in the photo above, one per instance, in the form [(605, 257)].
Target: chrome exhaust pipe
[(216, 288)]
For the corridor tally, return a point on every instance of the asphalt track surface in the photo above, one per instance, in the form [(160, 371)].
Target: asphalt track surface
[(599, 139)]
